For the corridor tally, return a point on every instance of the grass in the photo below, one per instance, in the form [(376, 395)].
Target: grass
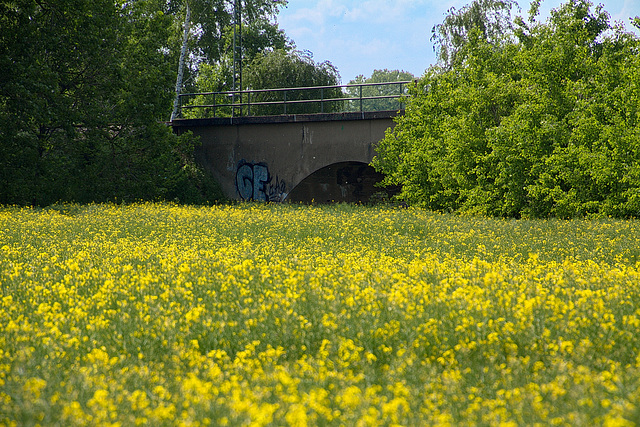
[(327, 315)]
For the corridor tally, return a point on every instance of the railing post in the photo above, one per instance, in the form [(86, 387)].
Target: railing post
[(360, 87), (322, 100), (285, 102), (215, 106), (248, 103)]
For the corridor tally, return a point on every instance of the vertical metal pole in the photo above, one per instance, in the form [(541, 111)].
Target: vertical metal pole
[(360, 87), (237, 53), (240, 50), (235, 35), (322, 100)]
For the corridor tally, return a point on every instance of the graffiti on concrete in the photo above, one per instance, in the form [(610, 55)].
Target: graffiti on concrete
[(251, 180), (276, 192), (254, 182)]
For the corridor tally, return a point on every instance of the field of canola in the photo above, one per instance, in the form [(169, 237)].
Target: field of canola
[(334, 315)]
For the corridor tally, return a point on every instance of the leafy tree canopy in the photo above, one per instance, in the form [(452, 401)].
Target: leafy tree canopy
[(83, 85), (258, 39), (293, 69), (283, 68), (383, 76), (489, 20), (221, 38), (212, 23), (380, 76), (272, 69), (543, 123)]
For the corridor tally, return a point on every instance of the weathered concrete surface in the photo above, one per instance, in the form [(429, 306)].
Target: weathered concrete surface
[(267, 158)]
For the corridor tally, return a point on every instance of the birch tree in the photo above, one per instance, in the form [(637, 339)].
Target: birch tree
[(206, 30), (181, 61)]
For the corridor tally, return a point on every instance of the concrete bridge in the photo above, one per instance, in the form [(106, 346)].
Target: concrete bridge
[(321, 157)]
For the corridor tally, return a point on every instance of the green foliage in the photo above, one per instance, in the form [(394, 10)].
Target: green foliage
[(490, 19), (259, 37), (212, 79), (270, 70), (187, 181), (212, 23), (214, 18), (211, 39), (379, 76), (544, 124), (279, 69), (83, 87)]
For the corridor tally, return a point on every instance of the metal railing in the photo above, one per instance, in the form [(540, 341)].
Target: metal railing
[(296, 100)]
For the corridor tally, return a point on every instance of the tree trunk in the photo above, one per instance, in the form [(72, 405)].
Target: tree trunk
[(183, 54)]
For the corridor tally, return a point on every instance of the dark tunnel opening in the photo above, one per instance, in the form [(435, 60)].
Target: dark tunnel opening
[(347, 182)]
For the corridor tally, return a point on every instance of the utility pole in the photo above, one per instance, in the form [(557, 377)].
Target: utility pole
[(237, 52)]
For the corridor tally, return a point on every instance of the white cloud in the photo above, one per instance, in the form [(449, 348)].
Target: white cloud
[(629, 9)]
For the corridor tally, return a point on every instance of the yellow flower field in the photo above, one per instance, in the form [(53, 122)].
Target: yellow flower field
[(334, 315)]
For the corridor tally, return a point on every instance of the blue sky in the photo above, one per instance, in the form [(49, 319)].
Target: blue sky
[(358, 36)]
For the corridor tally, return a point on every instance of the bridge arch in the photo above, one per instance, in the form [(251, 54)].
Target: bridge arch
[(347, 181)]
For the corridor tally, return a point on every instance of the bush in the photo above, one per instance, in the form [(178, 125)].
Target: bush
[(544, 123)]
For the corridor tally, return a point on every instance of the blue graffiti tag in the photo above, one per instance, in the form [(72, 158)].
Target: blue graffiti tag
[(254, 182)]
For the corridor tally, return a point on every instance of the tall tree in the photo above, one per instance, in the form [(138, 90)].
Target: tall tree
[(293, 69), (491, 19), (279, 68)]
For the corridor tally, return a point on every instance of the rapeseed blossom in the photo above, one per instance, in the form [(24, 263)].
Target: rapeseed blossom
[(301, 315)]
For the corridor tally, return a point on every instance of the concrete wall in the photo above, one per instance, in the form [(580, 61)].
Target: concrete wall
[(265, 158)]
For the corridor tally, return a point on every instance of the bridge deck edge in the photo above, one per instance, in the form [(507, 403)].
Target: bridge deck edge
[(289, 118)]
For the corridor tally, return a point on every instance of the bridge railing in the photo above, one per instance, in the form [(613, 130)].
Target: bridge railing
[(359, 97)]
